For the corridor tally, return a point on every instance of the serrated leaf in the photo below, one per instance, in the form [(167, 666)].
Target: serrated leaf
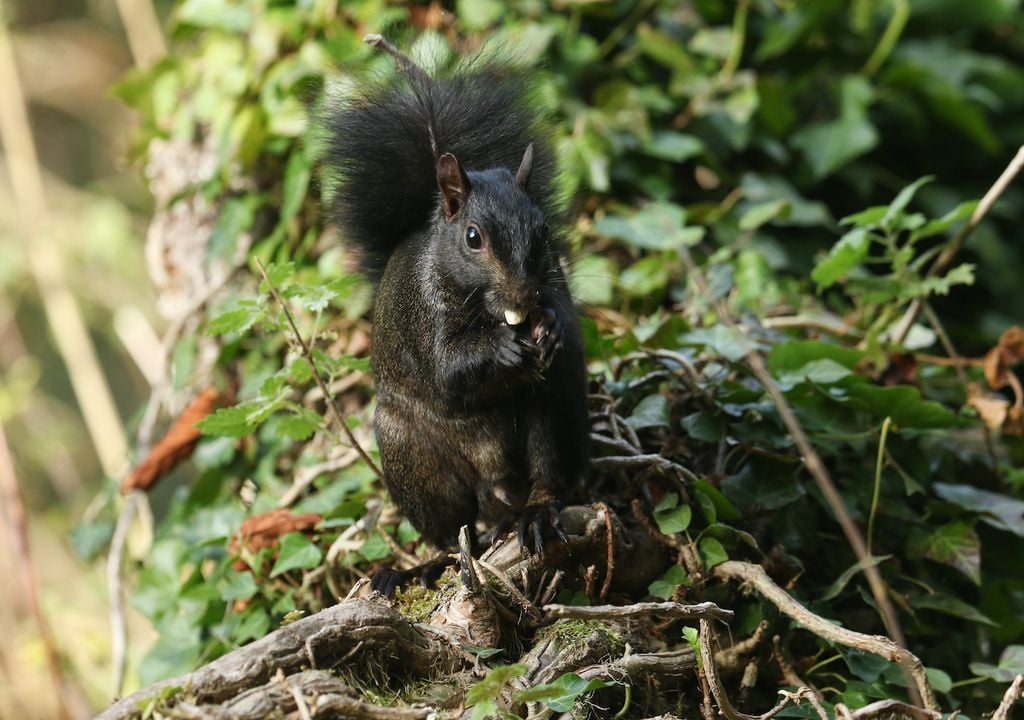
[(844, 256), (236, 320), (300, 425), (296, 552), (228, 422)]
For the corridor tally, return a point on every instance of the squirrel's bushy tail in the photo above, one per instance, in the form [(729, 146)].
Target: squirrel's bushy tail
[(381, 160)]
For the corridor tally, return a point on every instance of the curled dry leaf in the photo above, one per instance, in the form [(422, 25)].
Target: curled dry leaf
[(176, 445), (264, 530), (992, 409), (999, 360)]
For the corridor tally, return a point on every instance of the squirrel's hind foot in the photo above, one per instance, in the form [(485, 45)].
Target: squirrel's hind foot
[(387, 580), (538, 523)]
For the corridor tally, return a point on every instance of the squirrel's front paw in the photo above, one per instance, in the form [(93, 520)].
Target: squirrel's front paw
[(510, 349), (537, 522), (547, 335)]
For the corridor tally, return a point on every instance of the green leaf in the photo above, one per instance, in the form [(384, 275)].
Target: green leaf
[(829, 146), (479, 14), (279, 274), (953, 606), (561, 694), (711, 552), (652, 411), (902, 200), (762, 213), (957, 545), (486, 692), (657, 226), (845, 255), (672, 519), (824, 371), (666, 585), (936, 227), (229, 422), (239, 319), (904, 405), (999, 511), (795, 354), (296, 181), (726, 341), (674, 146), (238, 586), (645, 277), (836, 587), (702, 426), (255, 624), (301, 424), (296, 553), (1011, 664), (90, 538)]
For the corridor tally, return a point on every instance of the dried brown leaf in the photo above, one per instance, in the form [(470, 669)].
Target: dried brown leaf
[(176, 445)]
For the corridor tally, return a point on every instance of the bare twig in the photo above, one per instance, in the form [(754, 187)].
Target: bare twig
[(1011, 697), (521, 600), (874, 644), (305, 475), (142, 27), (815, 466), (673, 610), (610, 565), (307, 353), (950, 251), (18, 527), (890, 708), (947, 343), (115, 607)]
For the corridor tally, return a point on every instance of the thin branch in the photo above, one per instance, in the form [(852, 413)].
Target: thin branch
[(142, 27), (889, 708), (115, 607), (874, 644), (815, 466), (1011, 697), (951, 250), (18, 527), (307, 353), (674, 610)]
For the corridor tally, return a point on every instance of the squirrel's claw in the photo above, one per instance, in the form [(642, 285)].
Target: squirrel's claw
[(386, 580), (510, 350), (535, 521), (547, 335)]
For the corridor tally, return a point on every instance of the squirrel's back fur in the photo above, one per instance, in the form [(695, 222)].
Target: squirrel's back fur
[(382, 164)]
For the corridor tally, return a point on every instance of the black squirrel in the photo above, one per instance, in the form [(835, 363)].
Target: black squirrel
[(445, 191)]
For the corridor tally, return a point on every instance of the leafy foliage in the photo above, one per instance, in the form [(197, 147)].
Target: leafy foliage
[(739, 131)]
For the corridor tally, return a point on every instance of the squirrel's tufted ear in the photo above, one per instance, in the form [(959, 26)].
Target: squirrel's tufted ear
[(525, 166), (454, 185)]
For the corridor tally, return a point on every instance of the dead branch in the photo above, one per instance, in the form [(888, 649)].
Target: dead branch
[(875, 644), (888, 708), (1013, 694), (322, 641), (664, 609)]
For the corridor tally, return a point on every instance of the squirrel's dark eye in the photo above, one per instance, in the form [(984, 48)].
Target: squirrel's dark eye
[(474, 241)]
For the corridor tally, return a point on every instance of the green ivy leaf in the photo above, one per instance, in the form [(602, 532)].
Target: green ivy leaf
[(711, 552), (672, 518), (1011, 664), (957, 545), (296, 553), (561, 694), (652, 411), (666, 585)]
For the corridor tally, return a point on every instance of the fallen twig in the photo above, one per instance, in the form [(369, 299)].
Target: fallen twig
[(1011, 697), (875, 644), (665, 609), (888, 708)]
